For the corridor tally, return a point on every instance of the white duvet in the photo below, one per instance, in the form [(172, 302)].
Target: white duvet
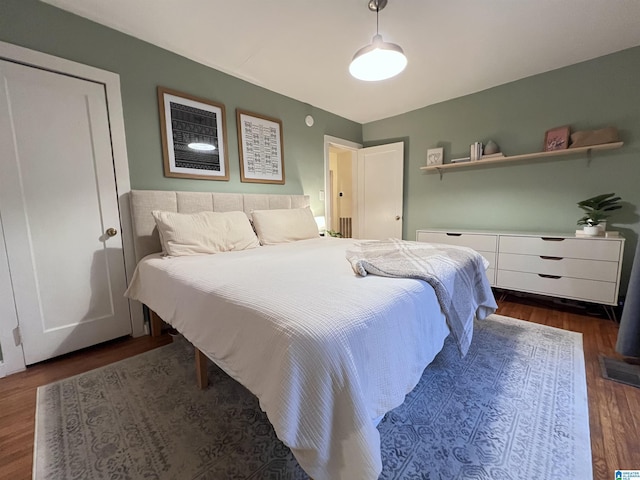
[(325, 351)]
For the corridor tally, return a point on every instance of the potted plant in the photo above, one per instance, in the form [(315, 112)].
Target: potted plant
[(597, 209)]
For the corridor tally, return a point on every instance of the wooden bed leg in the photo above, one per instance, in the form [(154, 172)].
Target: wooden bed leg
[(155, 322), (201, 370)]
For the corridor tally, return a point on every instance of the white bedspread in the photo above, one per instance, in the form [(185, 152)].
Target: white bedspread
[(457, 275), (325, 351)]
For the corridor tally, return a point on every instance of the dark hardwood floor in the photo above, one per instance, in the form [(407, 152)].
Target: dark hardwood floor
[(614, 408), (18, 396)]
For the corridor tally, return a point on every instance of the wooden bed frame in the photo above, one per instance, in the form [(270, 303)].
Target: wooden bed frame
[(147, 241), (201, 359)]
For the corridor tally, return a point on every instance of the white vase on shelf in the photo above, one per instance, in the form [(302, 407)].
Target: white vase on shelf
[(592, 231)]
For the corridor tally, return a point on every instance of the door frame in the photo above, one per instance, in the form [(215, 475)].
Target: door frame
[(343, 144), (12, 355)]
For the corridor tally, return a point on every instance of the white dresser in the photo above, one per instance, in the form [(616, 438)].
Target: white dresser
[(484, 243), (558, 265)]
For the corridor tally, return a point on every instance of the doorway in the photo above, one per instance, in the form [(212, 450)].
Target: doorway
[(364, 189), (342, 163)]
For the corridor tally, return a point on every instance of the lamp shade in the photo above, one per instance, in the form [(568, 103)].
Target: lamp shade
[(378, 61), (320, 221)]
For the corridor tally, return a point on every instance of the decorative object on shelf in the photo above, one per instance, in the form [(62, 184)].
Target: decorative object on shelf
[(594, 137), (459, 163), (493, 155), (379, 60), (491, 148), (260, 147), (435, 156), (194, 139), (596, 211), (557, 138), (475, 151)]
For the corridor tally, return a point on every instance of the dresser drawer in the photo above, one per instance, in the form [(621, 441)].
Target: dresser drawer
[(579, 289), (564, 267), (491, 275), (479, 242), (587, 248)]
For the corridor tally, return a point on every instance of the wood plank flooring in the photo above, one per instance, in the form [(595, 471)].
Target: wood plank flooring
[(614, 408), (18, 396)]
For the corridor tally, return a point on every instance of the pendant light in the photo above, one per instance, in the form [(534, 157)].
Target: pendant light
[(379, 60)]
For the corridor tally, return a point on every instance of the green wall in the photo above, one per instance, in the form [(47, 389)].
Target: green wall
[(527, 196), (142, 67)]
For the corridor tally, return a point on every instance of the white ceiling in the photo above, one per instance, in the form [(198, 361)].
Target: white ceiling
[(302, 48)]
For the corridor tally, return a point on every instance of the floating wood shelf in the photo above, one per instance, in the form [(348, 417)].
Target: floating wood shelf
[(527, 156)]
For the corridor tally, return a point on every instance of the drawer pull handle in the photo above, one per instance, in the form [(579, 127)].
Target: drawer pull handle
[(544, 257), (454, 234), (555, 277), (552, 239)]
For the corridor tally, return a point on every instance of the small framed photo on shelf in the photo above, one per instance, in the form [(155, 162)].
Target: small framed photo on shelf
[(435, 156), (194, 139), (557, 138), (260, 146)]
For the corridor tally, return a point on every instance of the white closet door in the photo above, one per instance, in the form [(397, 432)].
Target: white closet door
[(57, 201), (380, 191)]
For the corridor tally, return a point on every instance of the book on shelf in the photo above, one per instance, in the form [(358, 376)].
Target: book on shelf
[(607, 234), (460, 160), (475, 151), (493, 155)]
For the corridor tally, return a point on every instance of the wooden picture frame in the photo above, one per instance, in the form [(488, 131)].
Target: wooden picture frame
[(194, 137), (260, 147), (557, 138)]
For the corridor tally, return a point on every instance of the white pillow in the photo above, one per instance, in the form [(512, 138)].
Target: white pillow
[(284, 225), (204, 232)]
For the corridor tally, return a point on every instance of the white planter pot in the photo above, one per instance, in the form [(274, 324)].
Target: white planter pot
[(592, 231)]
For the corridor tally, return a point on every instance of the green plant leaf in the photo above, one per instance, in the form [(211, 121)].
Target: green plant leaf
[(596, 208)]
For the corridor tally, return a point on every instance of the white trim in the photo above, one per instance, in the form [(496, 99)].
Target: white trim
[(345, 145), (12, 354), (34, 473), (111, 81), (339, 142)]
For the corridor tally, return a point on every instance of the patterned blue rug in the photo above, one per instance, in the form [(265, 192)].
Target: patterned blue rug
[(514, 408)]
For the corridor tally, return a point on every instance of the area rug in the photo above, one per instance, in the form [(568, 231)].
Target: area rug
[(515, 407)]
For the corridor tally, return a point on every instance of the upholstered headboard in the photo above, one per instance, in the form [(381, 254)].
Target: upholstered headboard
[(145, 233)]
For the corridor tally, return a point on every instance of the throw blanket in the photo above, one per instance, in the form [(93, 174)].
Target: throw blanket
[(457, 274)]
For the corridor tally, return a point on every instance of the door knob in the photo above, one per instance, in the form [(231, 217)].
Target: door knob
[(112, 232), (397, 217)]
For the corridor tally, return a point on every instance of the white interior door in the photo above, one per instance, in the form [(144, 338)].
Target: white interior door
[(57, 201), (379, 191)]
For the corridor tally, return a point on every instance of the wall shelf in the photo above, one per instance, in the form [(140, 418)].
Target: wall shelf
[(527, 156)]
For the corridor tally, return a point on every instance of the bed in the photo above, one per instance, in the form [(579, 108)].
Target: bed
[(326, 352)]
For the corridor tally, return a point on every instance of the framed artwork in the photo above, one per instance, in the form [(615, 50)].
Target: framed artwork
[(556, 138), (260, 147), (435, 156), (194, 140)]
